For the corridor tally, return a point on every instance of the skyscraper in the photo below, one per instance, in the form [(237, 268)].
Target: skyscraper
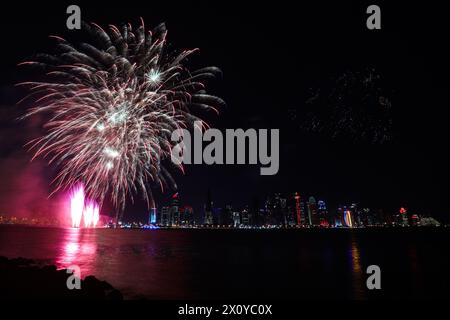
[(236, 219), (152, 216), (165, 216), (226, 217), (277, 209), (245, 217), (339, 217), (348, 218), (322, 213), (255, 213), (175, 210), (312, 211), (298, 211), (356, 218), (208, 209), (187, 216), (303, 214), (404, 217)]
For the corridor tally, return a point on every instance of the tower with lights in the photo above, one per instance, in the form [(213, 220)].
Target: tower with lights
[(298, 211), (312, 211), (152, 216)]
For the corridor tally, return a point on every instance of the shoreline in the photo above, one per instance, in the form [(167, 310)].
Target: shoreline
[(22, 278)]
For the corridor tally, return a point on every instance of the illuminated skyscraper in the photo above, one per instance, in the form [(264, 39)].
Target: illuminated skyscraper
[(348, 218), (404, 217), (369, 218), (298, 211), (415, 220), (208, 209), (356, 215), (175, 210), (152, 216), (245, 217), (284, 214), (165, 217), (236, 219), (312, 211), (187, 216), (304, 214), (339, 217), (322, 213)]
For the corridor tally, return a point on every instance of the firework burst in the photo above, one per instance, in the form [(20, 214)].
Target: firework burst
[(113, 103), (354, 106)]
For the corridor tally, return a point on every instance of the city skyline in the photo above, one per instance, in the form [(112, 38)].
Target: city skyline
[(278, 209)]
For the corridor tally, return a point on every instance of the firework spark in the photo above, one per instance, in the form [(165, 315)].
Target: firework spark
[(77, 205), (83, 209), (91, 214), (113, 103)]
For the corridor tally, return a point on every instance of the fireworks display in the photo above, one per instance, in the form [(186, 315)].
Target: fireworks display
[(355, 106), (112, 104), (77, 205), (83, 209)]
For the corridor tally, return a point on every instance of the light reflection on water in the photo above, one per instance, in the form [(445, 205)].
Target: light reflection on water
[(76, 249), (358, 278), (180, 264)]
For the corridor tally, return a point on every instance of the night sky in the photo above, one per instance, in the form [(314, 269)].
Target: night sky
[(273, 60)]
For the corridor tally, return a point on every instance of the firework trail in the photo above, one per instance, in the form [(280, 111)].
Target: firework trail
[(77, 205), (113, 104)]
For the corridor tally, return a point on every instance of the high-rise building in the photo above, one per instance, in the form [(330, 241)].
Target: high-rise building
[(236, 219), (186, 216), (175, 210), (303, 213), (226, 216), (165, 216), (255, 212), (276, 208), (404, 217), (245, 217), (270, 208), (339, 217), (284, 214), (348, 218), (369, 218), (415, 220), (298, 210), (152, 216), (208, 209), (322, 213), (312, 211), (356, 218), (291, 218)]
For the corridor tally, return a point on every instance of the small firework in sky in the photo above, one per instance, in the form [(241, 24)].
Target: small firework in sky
[(355, 106), (112, 103)]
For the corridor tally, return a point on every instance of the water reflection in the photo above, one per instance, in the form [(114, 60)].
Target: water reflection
[(180, 264), (358, 280), (78, 247)]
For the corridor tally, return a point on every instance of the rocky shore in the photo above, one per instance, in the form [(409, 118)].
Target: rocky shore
[(23, 279)]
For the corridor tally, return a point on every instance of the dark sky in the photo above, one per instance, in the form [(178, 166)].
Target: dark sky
[(271, 58)]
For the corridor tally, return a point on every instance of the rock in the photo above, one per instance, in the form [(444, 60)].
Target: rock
[(21, 278)]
